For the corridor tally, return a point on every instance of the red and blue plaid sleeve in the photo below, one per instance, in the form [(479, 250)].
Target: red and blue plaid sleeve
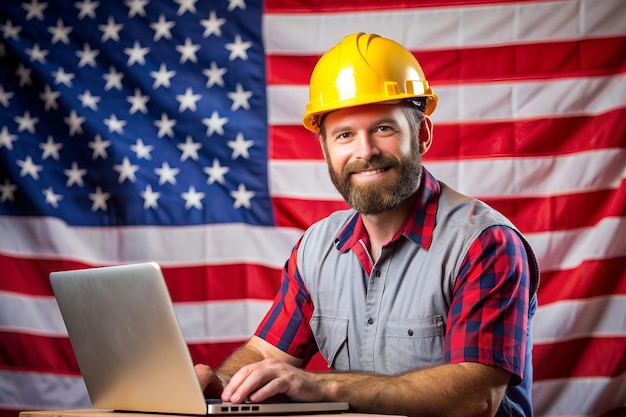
[(286, 324), (488, 318)]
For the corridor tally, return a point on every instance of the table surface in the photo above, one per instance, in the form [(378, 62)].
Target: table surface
[(89, 412)]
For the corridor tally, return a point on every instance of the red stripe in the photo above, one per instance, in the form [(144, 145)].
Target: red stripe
[(530, 215), (562, 212), (31, 353), (540, 137), (186, 284), (586, 57), (594, 357), (590, 279)]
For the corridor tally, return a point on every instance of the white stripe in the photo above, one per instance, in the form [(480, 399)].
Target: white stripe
[(567, 320), (578, 396), (516, 177), (567, 249), (192, 245), (493, 101), (205, 322), (36, 391), (448, 27)]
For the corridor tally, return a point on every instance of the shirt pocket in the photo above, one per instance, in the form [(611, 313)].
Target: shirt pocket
[(413, 343), (331, 336)]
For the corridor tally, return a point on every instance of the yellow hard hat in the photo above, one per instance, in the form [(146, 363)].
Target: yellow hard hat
[(364, 69)]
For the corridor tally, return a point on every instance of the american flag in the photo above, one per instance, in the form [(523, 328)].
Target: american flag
[(169, 131)]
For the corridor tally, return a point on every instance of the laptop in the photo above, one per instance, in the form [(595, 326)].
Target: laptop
[(130, 348)]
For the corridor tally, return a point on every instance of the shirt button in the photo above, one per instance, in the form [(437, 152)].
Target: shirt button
[(370, 321), (410, 332), (377, 273)]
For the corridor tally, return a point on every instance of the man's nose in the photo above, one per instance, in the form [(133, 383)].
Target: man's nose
[(367, 146)]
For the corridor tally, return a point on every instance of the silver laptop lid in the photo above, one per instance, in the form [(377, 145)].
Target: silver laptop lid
[(127, 340)]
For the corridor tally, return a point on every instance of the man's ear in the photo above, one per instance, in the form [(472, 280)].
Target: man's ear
[(322, 142), (425, 134)]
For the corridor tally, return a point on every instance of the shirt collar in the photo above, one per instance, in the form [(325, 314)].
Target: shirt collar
[(417, 227)]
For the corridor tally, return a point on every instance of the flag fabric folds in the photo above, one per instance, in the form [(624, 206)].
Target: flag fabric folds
[(170, 131)]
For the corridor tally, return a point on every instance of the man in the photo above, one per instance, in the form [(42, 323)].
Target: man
[(420, 298)]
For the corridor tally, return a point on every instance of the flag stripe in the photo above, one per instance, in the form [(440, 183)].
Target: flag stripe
[(579, 396), (605, 169), (454, 141), (586, 350), (512, 100), (448, 27), (589, 279), (576, 58)]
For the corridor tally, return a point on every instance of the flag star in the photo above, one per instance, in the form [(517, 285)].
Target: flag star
[(34, 9), (233, 4), (214, 75), (189, 148), (238, 49), (7, 139), (185, 5), (137, 7), (126, 170), (75, 175), (5, 96), (7, 191), (240, 146), (242, 197), (162, 28), (87, 56), (60, 33), (74, 122), (87, 8), (162, 77), (215, 124), (99, 199), (62, 77), (87, 100), (166, 174), (99, 147), (50, 148), (115, 125), (165, 126), (136, 54), (49, 98), (240, 98), (113, 79), (138, 102), (142, 151), (52, 198), (36, 54), (10, 31), (24, 74), (188, 51), (150, 198), (26, 122), (193, 198), (111, 30), (212, 25), (216, 172), (188, 100), (29, 167)]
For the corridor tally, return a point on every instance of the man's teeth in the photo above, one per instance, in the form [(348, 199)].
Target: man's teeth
[(372, 172)]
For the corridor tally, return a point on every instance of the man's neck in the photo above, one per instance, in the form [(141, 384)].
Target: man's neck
[(382, 227)]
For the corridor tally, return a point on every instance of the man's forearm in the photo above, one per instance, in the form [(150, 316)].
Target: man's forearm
[(446, 390)]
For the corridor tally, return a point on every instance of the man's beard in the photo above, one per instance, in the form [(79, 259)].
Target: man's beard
[(379, 196)]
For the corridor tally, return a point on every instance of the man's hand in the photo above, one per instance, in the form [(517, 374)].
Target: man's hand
[(210, 382), (269, 378)]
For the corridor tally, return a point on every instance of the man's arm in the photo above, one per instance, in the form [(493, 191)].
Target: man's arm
[(465, 389)]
